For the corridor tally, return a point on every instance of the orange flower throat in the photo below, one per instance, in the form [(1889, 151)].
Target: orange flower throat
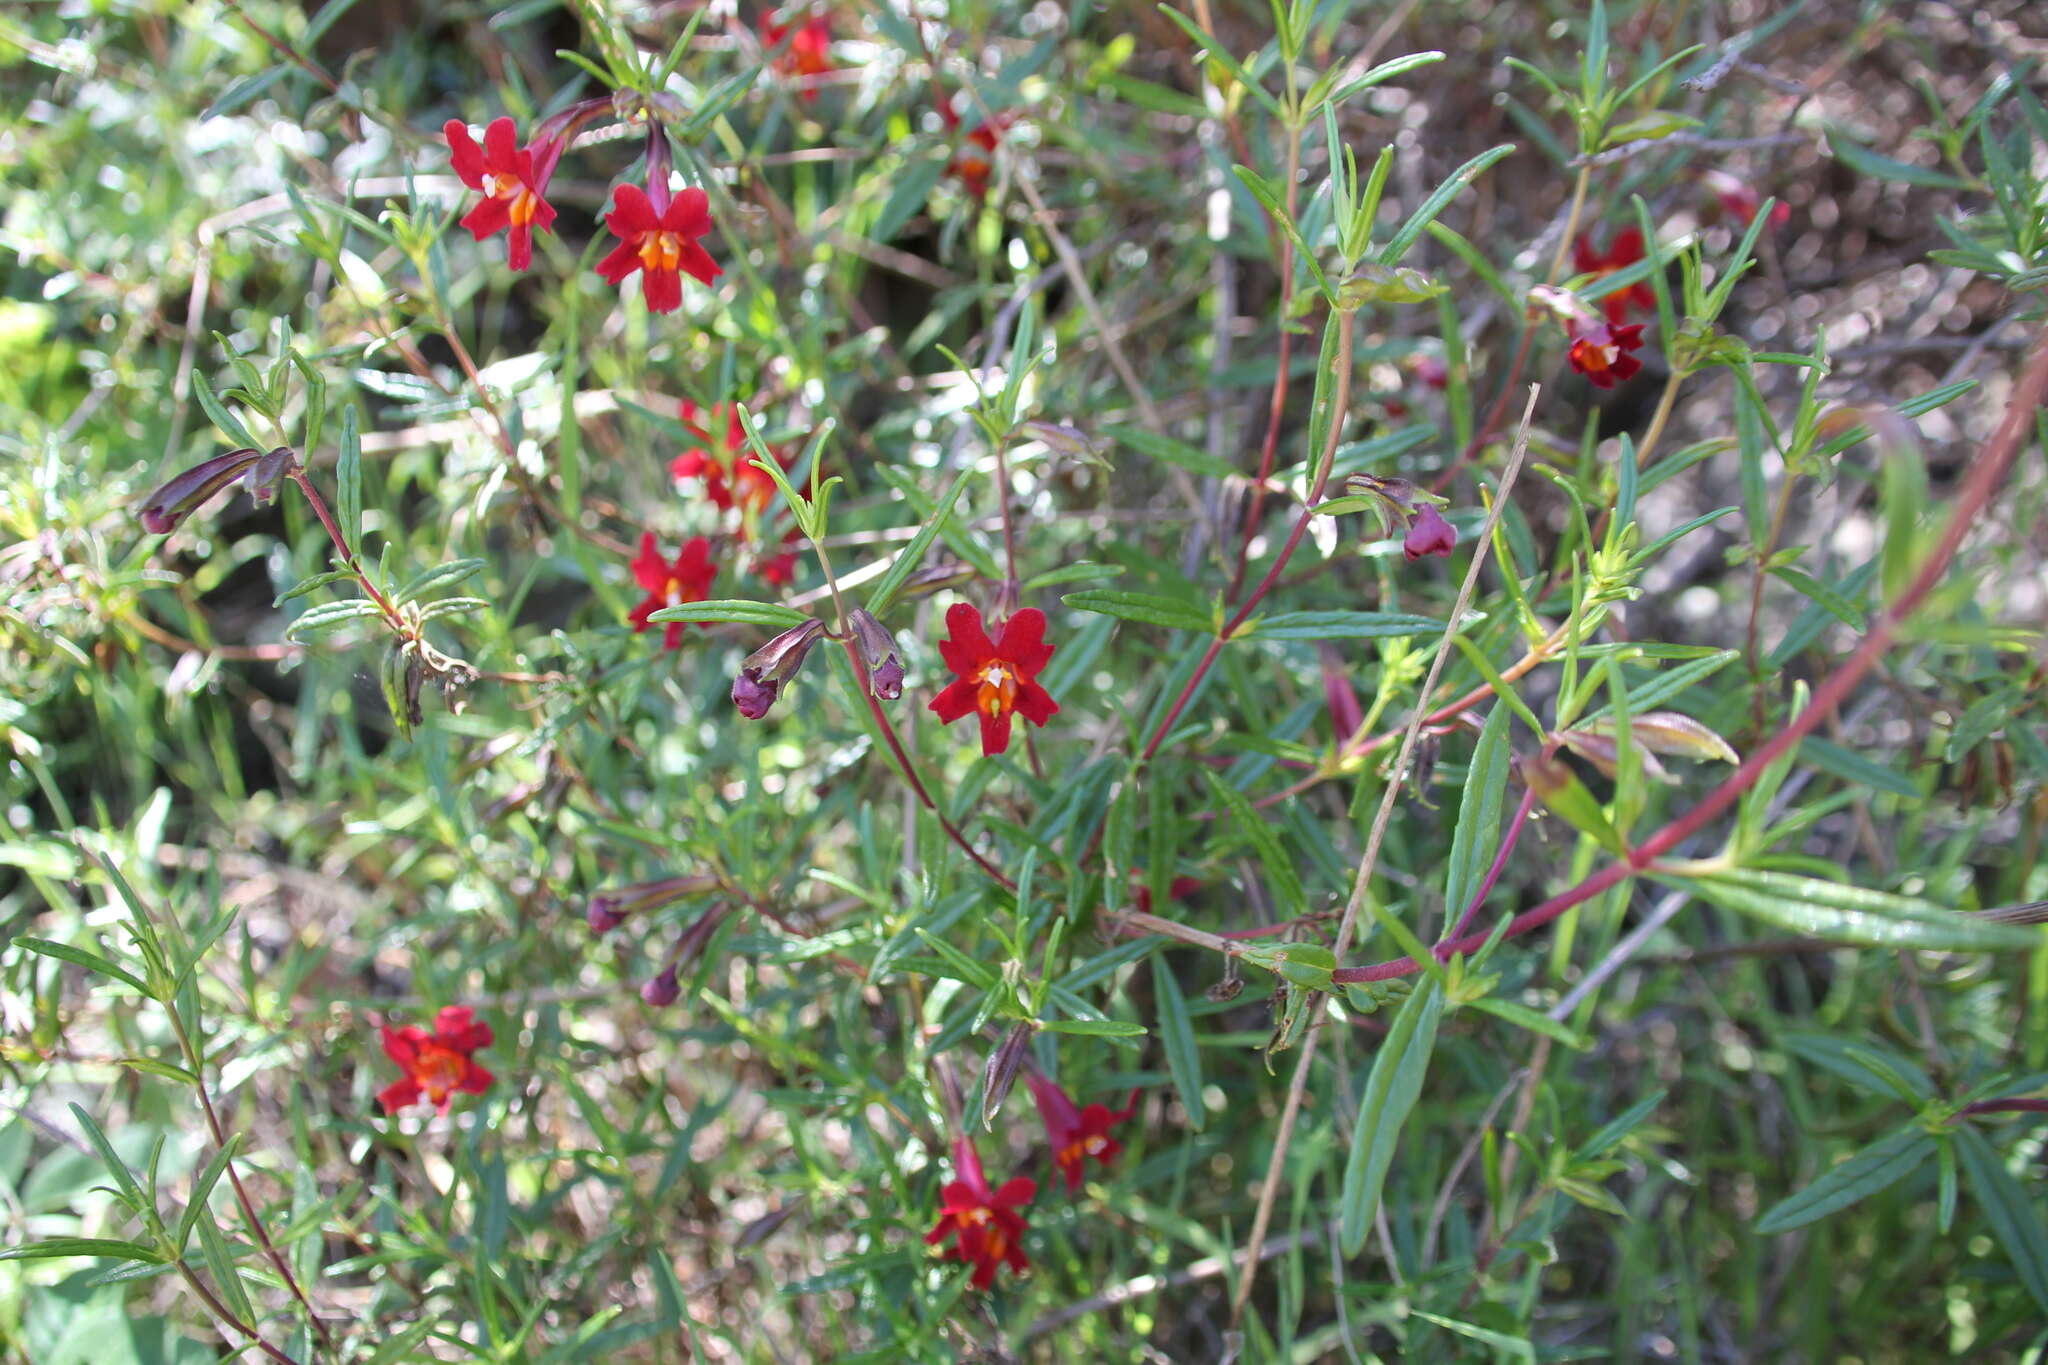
[(439, 1070), (660, 250), (996, 688), (521, 198)]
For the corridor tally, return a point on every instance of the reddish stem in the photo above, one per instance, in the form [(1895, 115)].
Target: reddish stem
[(1986, 472), (1500, 861)]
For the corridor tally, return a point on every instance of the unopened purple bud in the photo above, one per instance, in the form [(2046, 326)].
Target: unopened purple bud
[(268, 473), (187, 492), (662, 991), (752, 695), (1429, 535), (603, 915), (763, 672), (878, 651), (888, 679)]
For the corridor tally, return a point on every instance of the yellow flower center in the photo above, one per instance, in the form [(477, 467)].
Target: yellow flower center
[(660, 250), (996, 691)]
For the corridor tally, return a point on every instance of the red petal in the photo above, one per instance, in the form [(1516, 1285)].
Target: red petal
[(463, 154), (1627, 247), (403, 1045), (663, 290), (519, 255), (1015, 1192), (696, 262), (967, 647), (995, 733), (475, 1080), (672, 638), (650, 569), (1023, 642), (1035, 704), (623, 261), (632, 213), (688, 213), (399, 1094), (954, 701), (488, 217), (637, 618), (501, 146)]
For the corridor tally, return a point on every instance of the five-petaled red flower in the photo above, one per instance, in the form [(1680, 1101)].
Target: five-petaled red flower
[(688, 579), (724, 460), (437, 1065), (1625, 250), (1600, 352), (660, 241), (986, 1223), (1074, 1132), (995, 680), (972, 164), (809, 53), (513, 180)]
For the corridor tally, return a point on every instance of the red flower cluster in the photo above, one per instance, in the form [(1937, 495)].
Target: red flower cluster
[(437, 1065), (658, 234), (687, 579), (973, 163), (1076, 1133), (1600, 351), (809, 53), (733, 478), (995, 679), (1625, 250), (984, 1225)]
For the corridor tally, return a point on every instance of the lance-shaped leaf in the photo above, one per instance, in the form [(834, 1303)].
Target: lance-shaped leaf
[(1877, 1166), (1878, 919), (1390, 1095)]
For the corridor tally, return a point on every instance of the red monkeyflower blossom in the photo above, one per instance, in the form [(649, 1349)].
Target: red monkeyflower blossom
[(996, 680), (658, 237), (437, 1065), (985, 1224), (1600, 351), (724, 460), (1625, 250), (513, 180), (1076, 1133), (809, 53), (973, 163), (688, 579), (1740, 200)]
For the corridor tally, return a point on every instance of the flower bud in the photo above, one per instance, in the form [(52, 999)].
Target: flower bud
[(1429, 534), (269, 471), (878, 651), (1000, 1074), (661, 991), (608, 909), (763, 672), (186, 493)]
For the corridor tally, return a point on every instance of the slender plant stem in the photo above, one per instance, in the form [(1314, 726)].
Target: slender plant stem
[(197, 1064), (1361, 884), (226, 1315), (1276, 406), (348, 555), (1500, 861), (1340, 401)]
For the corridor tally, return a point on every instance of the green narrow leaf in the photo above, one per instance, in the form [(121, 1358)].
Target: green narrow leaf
[(906, 563), (1390, 1094), (83, 957), (1423, 216), (1340, 625), (743, 612), (131, 1191), (2009, 1209), (1177, 1034), (202, 1189), (1144, 607), (216, 412), (1878, 1166), (441, 575), (82, 1246), (1852, 914), (348, 480)]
